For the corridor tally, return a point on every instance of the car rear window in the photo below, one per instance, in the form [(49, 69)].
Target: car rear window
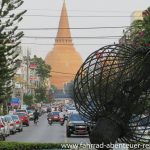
[(55, 113), (75, 117), (8, 118), (71, 108), (30, 111), (21, 114), (20, 110), (15, 117)]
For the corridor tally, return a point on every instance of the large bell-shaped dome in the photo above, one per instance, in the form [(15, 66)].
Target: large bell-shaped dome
[(63, 59)]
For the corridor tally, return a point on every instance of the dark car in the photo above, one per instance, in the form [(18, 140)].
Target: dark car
[(76, 125)]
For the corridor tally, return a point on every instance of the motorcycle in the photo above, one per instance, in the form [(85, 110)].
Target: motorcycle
[(49, 121), (61, 121)]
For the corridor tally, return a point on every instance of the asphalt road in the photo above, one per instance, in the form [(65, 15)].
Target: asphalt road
[(44, 133)]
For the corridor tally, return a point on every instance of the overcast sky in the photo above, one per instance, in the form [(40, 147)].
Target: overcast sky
[(87, 14)]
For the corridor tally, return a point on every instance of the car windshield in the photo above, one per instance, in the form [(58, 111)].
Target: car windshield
[(21, 114), (8, 118), (20, 110), (75, 117), (30, 111), (14, 117), (145, 121), (55, 113), (71, 108)]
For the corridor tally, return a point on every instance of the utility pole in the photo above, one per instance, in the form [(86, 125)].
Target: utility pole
[(21, 94), (28, 63)]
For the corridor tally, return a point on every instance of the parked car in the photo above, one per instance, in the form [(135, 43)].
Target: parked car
[(18, 122), (2, 126), (11, 123), (6, 126), (76, 125), (2, 136), (24, 118)]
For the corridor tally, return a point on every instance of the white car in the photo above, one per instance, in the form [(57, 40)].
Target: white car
[(2, 126), (11, 123), (18, 122), (6, 126), (2, 136)]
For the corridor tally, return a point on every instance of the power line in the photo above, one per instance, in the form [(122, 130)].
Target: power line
[(63, 44), (91, 16), (63, 73), (86, 37), (109, 27), (71, 10)]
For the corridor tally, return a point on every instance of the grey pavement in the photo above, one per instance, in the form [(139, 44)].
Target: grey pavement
[(44, 133)]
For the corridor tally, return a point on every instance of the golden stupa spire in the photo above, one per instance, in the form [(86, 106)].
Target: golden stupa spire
[(63, 57), (63, 34)]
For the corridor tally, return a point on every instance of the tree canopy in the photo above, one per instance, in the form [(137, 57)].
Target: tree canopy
[(140, 30), (9, 42), (43, 72)]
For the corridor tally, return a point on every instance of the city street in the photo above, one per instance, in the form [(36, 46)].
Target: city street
[(75, 67), (44, 133)]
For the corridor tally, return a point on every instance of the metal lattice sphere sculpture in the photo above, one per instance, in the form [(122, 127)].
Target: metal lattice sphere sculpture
[(112, 91)]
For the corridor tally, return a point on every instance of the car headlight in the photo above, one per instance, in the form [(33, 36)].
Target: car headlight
[(71, 124)]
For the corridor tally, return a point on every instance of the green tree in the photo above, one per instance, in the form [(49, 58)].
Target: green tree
[(146, 27), (9, 41), (140, 30), (28, 99), (41, 94), (43, 72)]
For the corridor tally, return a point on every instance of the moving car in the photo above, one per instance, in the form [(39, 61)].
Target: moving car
[(55, 116), (76, 125), (71, 110), (30, 114), (24, 118), (44, 109)]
